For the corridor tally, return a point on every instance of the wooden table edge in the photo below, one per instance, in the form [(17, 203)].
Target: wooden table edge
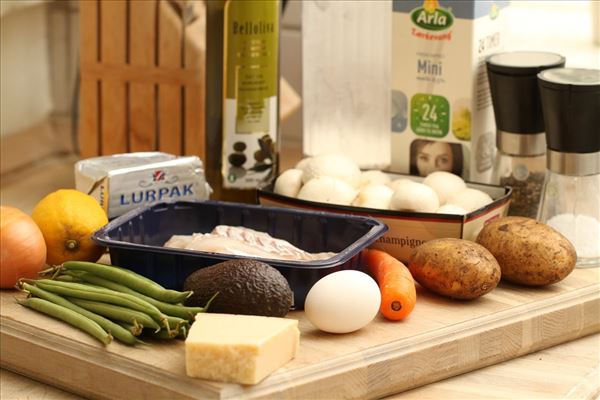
[(127, 375)]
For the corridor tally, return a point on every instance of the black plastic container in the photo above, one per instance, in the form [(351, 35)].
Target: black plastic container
[(135, 240)]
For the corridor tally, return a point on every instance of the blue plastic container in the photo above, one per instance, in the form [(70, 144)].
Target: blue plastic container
[(135, 240)]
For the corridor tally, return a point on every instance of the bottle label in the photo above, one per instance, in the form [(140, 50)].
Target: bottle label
[(250, 77)]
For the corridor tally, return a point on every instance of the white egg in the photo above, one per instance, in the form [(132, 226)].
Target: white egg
[(445, 184), (343, 302), (470, 199)]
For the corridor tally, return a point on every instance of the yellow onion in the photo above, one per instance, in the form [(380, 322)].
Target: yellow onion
[(22, 247)]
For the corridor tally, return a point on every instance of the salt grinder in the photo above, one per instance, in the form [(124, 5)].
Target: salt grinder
[(571, 194), (520, 139)]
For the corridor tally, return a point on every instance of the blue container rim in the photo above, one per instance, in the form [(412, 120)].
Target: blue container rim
[(378, 229)]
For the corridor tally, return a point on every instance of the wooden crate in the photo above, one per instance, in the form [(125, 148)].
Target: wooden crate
[(142, 76)]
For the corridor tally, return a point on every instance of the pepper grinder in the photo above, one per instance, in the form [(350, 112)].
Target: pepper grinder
[(571, 194), (520, 160)]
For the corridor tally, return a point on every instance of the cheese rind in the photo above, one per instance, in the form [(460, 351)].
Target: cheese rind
[(239, 348)]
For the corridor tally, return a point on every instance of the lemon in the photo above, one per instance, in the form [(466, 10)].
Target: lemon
[(67, 219)]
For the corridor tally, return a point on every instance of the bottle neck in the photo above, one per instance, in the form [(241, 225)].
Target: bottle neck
[(521, 144), (573, 164)]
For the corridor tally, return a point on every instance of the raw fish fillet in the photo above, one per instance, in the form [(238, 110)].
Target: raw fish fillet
[(242, 241), (179, 241)]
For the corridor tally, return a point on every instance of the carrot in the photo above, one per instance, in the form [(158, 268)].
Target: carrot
[(398, 293)]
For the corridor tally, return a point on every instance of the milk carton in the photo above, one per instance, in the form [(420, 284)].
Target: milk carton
[(442, 117)]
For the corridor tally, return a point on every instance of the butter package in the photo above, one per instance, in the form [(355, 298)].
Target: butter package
[(442, 116), (122, 182)]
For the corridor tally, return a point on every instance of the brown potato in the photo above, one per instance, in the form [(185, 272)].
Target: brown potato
[(529, 252), (455, 268)]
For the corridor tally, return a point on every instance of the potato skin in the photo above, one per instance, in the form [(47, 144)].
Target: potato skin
[(529, 252), (455, 268)]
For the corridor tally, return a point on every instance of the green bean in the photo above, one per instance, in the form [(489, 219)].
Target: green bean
[(92, 289), (134, 274), (130, 279), (162, 334), (69, 316), (135, 329), (119, 333), (117, 313), (82, 291), (67, 278), (167, 308), (176, 323), (183, 330)]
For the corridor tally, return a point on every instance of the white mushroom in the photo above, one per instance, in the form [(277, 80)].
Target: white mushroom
[(302, 163), (326, 189), (451, 209), (289, 183), (374, 196), (470, 199), (416, 197), (374, 177), (333, 165), (445, 184), (395, 184)]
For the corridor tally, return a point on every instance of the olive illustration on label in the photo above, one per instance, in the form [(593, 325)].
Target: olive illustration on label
[(266, 145), (265, 157), (239, 146), (237, 159), (260, 155)]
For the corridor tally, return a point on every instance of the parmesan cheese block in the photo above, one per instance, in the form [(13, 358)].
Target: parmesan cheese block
[(239, 348)]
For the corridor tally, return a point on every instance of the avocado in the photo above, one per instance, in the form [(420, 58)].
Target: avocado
[(245, 286)]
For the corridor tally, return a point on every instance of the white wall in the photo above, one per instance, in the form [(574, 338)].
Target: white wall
[(560, 26), (25, 97)]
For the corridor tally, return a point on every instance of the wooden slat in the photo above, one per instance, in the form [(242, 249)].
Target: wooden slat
[(142, 113), (170, 30), (89, 144), (194, 58), (113, 32), (156, 75)]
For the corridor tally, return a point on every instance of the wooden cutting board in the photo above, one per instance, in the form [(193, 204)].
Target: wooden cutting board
[(442, 338)]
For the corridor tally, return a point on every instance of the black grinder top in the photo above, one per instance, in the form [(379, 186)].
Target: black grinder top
[(571, 102), (514, 88)]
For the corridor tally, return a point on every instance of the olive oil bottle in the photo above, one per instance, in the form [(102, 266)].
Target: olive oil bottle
[(242, 96)]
